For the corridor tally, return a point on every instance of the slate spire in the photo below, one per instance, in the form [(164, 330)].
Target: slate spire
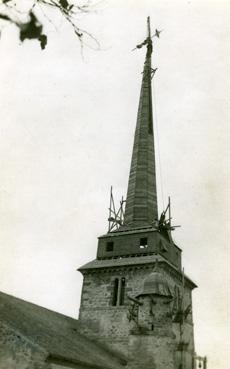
[(141, 202)]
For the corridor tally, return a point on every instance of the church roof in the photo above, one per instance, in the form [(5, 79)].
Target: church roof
[(57, 334)]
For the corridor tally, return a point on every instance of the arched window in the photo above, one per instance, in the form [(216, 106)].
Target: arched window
[(115, 291), (118, 293), (122, 291)]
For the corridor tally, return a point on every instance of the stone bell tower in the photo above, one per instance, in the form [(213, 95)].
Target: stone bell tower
[(136, 298)]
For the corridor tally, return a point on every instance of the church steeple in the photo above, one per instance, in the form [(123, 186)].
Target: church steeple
[(127, 302), (141, 202)]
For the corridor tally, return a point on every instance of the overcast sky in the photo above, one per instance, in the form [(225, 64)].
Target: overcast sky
[(67, 127)]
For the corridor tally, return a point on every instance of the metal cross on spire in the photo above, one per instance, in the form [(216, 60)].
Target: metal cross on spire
[(148, 40)]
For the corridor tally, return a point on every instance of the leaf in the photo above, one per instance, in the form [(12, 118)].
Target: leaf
[(31, 29), (64, 3), (43, 41)]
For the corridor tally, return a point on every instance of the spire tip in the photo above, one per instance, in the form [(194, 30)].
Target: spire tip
[(148, 28)]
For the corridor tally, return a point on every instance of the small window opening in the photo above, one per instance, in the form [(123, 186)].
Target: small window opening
[(109, 246), (152, 327), (143, 242), (115, 292)]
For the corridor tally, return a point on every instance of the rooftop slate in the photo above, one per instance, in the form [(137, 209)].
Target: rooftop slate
[(56, 333), (121, 261), (132, 261)]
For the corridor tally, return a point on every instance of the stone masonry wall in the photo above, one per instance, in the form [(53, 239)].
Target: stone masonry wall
[(109, 324), (151, 352)]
